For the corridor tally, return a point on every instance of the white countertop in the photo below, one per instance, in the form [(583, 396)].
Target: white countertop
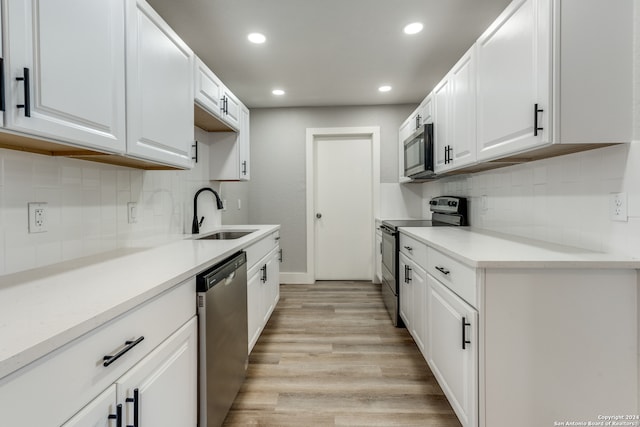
[(485, 249), (45, 308)]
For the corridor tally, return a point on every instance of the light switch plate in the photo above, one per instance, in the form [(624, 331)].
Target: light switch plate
[(132, 212)]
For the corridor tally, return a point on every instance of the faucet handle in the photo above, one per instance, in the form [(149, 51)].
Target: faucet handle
[(200, 222)]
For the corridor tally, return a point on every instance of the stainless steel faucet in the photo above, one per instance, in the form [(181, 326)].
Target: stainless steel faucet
[(195, 225)]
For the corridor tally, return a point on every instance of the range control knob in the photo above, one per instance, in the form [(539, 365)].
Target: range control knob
[(452, 203), (433, 202)]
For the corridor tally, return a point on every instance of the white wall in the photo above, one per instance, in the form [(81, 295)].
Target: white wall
[(277, 190), (87, 206), (563, 200)]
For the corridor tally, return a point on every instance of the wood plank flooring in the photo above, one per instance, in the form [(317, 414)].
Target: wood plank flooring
[(329, 356)]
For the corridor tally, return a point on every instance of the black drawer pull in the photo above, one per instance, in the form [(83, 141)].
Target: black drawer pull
[(442, 270), (464, 333), (109, 359), (409, 248), (244, 167), (27, 90)]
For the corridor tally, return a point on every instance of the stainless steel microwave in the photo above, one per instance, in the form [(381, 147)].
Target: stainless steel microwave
[(418, 153)]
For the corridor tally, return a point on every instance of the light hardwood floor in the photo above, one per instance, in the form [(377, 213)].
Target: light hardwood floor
[(329, 356)]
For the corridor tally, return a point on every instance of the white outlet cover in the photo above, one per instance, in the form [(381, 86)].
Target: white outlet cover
[(618, 207), (37, 217), (132, 212)]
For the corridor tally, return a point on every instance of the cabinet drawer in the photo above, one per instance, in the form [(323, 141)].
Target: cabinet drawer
[(260, 249), (458, 277), (415, 250), (65, 380)]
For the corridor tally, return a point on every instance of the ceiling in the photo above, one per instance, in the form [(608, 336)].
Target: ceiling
[(329, 52)]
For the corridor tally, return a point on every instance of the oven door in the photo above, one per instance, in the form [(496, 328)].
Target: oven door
[(389, 255)]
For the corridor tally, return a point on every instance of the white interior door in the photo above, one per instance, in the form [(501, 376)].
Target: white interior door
[(343, 207)]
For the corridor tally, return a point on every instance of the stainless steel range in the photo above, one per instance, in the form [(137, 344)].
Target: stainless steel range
[(447, 211)]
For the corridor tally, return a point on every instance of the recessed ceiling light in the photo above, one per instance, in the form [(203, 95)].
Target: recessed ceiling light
[(413, 28), (384, 88), (257, 38), (277, 92)]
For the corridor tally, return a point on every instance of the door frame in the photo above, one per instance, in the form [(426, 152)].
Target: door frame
[(372, 132)]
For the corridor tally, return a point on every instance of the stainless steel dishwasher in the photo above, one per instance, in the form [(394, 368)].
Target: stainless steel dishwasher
[(222, 322)]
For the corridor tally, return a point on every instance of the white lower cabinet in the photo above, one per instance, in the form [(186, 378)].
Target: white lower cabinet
[(103, 411), (413, 291), (151, 347), (506, 343), (263, 284), (452, 331), (161, 390)]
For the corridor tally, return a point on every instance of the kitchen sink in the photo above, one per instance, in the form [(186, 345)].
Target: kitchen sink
[(225, 235)]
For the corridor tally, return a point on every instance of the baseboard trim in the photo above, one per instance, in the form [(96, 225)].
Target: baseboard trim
[(296, 278)]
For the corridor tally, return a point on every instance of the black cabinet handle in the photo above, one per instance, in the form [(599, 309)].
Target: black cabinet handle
[(409, 270), (195, 151), (409, 248), (464, 333), (442, 270), (27, 90), (136, 404), (2, 107), (418, 118), (117, 416), (281, 256), (244, 167), (536, 111), (263, 279), (109, 359)]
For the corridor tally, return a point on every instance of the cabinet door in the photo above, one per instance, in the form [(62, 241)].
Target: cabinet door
[(406, 292), (245, 144), (74, 54), (379, 256), (452, 349), (427, 110), (160, 66), (442, 124), (419, 321), (231, 109), (3, 73), (97, 412), (208, 89), (270, 285), (514, 75), (463, 110), (254, 307), (162, 388)]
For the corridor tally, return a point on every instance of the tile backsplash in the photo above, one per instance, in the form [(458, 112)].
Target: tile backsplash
[(562, 200), (87, 206)]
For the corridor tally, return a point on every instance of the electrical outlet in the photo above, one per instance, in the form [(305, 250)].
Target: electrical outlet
[(618, 207), (484, 203), (37, 217), (224, 205), (132, 212), (239, 204)]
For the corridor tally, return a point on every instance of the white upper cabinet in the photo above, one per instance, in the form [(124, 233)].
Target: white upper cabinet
[(209, 89), (2, 75), (463, 110), (553, 72), (229, 151), (231, 108), (160, 90), (442, 124), (513, 76), (65, 71)]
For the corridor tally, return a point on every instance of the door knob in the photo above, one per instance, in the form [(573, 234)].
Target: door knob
[(318, 215)]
